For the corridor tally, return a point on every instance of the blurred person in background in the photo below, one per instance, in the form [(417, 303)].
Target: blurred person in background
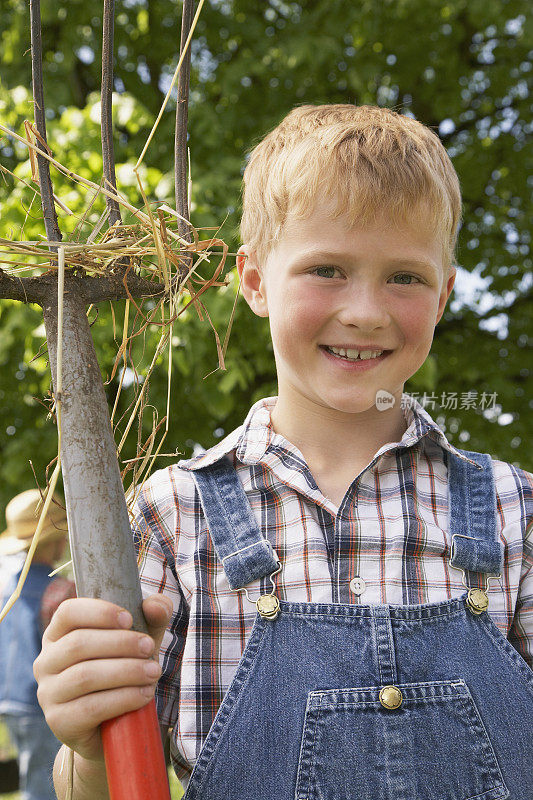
[(21, 634)]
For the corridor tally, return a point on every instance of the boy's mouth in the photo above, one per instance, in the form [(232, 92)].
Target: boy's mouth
[(351, 354)]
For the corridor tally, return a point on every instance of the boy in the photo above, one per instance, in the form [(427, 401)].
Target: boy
[(366, 670)]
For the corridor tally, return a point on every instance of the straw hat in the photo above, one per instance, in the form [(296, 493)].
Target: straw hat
[(22, 519)]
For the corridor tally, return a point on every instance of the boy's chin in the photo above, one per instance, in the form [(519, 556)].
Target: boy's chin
[(359, 405)]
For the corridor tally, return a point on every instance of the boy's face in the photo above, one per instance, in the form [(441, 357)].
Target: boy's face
[(380, 287)]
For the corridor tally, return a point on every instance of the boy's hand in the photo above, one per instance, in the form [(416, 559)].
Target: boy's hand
[(92, 667)]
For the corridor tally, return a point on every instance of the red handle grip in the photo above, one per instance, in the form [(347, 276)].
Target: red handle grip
[(134, 759)]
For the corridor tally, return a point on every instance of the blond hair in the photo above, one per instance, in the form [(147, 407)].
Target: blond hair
[(363, 159)]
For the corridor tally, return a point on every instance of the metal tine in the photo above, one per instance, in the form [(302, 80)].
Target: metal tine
[(180, 139), (53, 234), (108, 151)]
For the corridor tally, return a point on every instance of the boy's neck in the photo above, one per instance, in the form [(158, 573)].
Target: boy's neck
[(336, 441)]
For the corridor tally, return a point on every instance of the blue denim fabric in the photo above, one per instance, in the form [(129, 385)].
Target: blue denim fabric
[(37, 748), (20, 643), (302, 719), (243, 551)]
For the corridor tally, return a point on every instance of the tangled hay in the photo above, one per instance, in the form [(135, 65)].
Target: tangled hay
[(152, 252), (140, 259)]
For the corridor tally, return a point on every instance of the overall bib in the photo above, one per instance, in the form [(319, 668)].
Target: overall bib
[(369, 702)]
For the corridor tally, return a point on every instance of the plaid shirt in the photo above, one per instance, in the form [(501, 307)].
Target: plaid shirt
[(393, 534)]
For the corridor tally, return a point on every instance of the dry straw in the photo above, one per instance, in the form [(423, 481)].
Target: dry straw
[(155, 253)]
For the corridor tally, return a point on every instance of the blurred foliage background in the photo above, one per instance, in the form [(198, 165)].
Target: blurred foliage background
[(462, 67)]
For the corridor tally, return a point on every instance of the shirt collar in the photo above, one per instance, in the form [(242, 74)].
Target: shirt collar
[(419, 425), (251, 440)]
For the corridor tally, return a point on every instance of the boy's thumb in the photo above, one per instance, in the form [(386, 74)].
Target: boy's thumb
[(157, 610)]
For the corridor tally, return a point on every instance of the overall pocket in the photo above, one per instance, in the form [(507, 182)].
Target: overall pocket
[(434, 746)]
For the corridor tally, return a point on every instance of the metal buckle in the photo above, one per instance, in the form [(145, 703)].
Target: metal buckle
[(266, 604), (477, 599)]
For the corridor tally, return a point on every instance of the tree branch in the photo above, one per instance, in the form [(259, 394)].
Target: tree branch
[(23, 289), (91, 290)]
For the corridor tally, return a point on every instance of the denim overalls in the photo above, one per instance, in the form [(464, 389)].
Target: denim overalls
[(369, 702)]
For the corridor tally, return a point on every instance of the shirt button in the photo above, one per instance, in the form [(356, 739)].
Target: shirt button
[(357, 585)]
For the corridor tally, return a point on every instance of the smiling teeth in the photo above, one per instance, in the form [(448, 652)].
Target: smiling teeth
[(363, 355)]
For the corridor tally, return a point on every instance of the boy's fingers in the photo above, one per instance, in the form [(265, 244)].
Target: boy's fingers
[(88, 644), (78, 720), (104, 674), (84, 612), (157, 611)]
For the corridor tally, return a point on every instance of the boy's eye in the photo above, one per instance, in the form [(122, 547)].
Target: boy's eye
[(325, 272), (404, 278)]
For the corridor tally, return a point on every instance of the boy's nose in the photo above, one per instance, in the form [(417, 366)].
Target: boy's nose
[(363, 307)]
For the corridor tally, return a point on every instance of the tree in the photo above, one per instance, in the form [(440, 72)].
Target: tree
[(461, 68)]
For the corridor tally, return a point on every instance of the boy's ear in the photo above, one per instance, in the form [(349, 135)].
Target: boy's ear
[(252, 281), (446, 292)]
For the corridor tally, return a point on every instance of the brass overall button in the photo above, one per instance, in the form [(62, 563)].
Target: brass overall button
[(390, 697), (477, 601), (268, 606)]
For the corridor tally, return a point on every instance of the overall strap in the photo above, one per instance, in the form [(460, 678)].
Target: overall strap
[(245, 553), (472, 514)]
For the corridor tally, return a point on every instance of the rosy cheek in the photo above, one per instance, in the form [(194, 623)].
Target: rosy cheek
[(302, 313), (417, 320)]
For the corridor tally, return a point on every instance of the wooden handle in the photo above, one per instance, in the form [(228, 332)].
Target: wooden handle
[(134, 759)]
